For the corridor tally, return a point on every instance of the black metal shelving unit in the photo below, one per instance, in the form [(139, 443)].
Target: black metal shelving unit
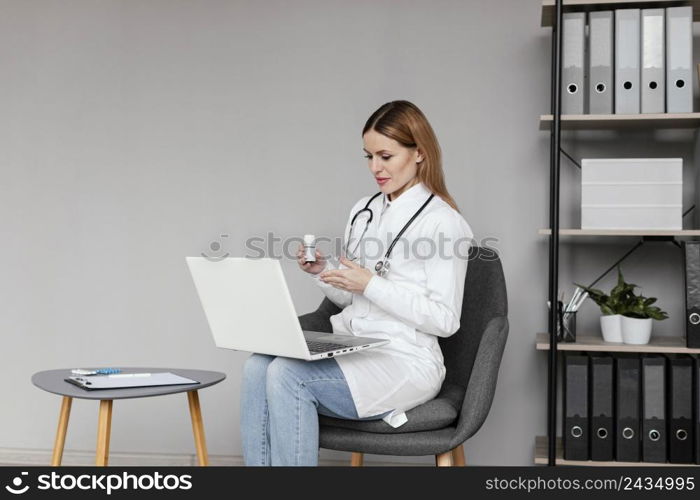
[(552, 15), (554, 170)]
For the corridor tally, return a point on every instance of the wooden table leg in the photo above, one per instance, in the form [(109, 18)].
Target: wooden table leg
[(357, 459), (458, 456), (104, 427), (444, 459), (198, 428), (61, 432)]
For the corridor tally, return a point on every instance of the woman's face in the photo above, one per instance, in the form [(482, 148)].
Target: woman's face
[(393, 166)]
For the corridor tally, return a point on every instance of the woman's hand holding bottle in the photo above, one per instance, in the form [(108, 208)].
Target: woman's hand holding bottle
[(311, 267)]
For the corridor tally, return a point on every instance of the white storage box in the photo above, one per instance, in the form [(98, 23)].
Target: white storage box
[(640, 193)]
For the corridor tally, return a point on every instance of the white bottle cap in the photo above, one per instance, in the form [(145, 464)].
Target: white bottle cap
[(309, 239)]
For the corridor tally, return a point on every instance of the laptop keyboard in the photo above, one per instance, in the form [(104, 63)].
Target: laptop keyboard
[(324, 346)]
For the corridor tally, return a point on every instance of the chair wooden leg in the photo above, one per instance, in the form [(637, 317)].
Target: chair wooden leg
[(357, 460), (104, 428), (198, 428), (61, 431), (458, 456), (444, 459)]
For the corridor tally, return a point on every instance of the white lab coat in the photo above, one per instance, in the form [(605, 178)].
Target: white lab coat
[(419, 300)]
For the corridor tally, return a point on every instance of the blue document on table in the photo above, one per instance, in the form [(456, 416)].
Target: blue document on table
[(127, 380)]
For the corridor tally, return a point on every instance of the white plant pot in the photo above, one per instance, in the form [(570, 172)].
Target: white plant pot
[(611, 326), (636, 331)]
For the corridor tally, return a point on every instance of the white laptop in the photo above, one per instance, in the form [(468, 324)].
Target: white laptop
[(249, 308)]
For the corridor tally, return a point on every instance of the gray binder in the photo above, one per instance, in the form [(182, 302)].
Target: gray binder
[(627, 58), (572, 91), (600, 62), (679, 59), (653, 86)]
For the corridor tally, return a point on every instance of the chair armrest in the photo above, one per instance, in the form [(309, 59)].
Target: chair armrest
[(319, 320), (482, 382)]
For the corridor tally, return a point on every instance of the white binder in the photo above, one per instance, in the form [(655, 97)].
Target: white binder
[(600, 62), (627, 58), (653, 86), (574, 42), (679, 59)]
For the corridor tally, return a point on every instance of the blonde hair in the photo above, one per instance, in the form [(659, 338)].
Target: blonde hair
[(407, 125)]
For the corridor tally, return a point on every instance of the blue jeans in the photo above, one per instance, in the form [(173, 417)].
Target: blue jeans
[(281, 399)]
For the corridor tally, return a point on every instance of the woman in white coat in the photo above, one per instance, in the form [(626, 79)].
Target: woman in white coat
[(416, 301)]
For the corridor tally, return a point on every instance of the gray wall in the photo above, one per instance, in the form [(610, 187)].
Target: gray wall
[(135, 133)]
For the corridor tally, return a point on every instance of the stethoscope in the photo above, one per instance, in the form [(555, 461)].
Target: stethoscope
[(382, 267)]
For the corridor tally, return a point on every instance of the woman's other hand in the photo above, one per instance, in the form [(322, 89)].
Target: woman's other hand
[(311, 267), (354, 279)]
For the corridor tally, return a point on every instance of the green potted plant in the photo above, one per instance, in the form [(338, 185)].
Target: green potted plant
[(611, 306), (626, 316), (637, 317)]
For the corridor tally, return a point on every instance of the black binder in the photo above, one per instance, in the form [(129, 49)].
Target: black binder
[(627, 409), (654, 435), (601, 416), (680, 410), (575, 435), (691, 255)]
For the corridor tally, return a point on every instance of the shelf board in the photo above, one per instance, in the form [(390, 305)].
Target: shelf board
[(548, 9), (607, 122), (595, 343), (621, 232), (541, 458)]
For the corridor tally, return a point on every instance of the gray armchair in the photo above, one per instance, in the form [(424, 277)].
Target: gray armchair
[(472, 359)]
